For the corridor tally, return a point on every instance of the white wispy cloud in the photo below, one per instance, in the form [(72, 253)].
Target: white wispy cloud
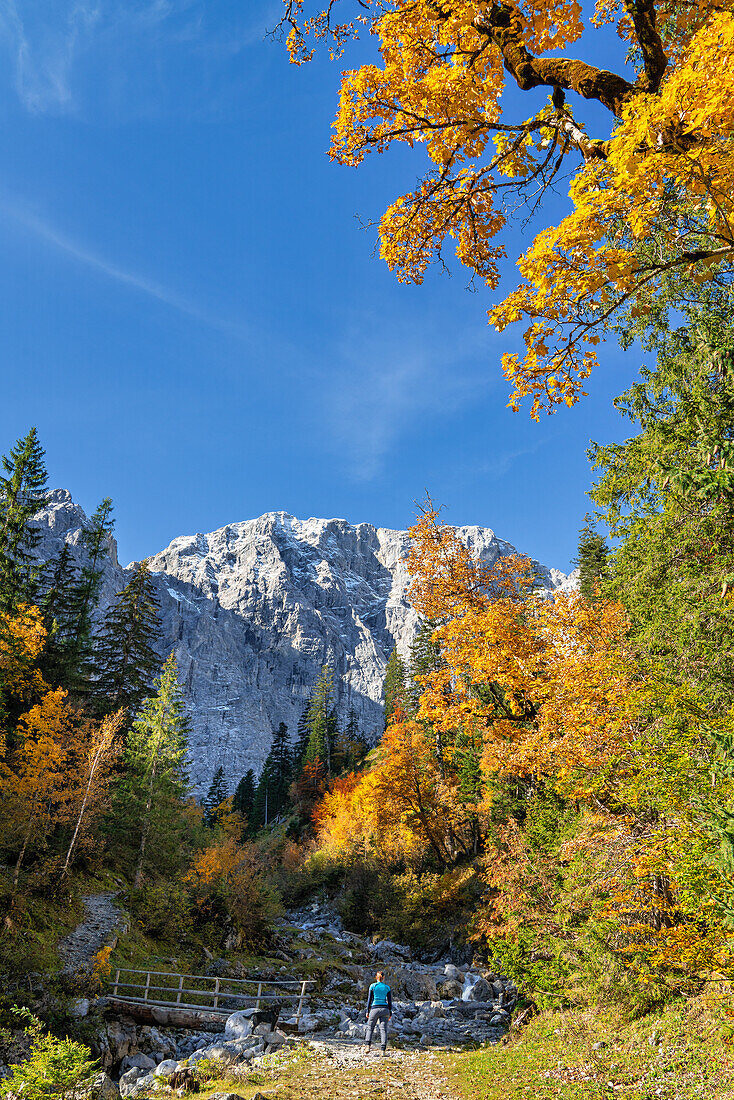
[(47, 43), (383, 385), (77, 251)]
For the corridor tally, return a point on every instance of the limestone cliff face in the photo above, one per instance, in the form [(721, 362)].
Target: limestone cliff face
[(255, 609)]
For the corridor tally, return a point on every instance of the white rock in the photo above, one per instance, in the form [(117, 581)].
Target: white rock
[(239, 1024), (166, 1068)]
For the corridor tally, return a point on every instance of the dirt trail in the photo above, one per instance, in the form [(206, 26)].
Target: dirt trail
[(344, 1072), (80, 947)]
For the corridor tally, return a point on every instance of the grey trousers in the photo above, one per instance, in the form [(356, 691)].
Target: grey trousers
[(378, 1016)]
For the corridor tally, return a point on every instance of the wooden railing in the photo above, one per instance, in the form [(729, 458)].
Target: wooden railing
[(165, 989)]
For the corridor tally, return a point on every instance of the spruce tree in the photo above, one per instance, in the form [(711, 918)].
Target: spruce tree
[(280, 768), (302, 738), (94, 541), (215, 796), (155, 783), (59, 607), (244, 796), (125, 657), (393, 689), (322, 722), (22, 495), (592, 558)]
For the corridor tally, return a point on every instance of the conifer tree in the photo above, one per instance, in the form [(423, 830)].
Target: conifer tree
[(302, 738), (425, 657), (393, 688), (244, 796), (592, 558), (22, 494), (155, 784), (125, 654), (94, 541), (214, 797), (280, 767), (322, 722), (58, 606)]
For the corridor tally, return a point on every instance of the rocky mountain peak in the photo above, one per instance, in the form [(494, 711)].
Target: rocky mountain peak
[(254, 609)]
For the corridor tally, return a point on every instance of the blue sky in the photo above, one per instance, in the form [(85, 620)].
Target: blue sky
[(198, 324)]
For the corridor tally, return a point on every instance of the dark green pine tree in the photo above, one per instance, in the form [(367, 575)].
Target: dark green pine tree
[(393, 688), (592, 558), (95, 542), (214, 797), (125, 657), (243, 799), (302, 738), (322, 721), (59, 606), (22, 494), (280, 769)]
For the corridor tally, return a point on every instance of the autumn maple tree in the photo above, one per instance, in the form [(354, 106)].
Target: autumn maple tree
[(660, 168)]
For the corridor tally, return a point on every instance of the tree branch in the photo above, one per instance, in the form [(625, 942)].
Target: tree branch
[(503, 25), (654, 59)]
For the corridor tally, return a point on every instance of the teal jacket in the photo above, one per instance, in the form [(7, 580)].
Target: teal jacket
[(379, 996)]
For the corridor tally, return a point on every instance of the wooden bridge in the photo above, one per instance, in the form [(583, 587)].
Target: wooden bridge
[(163, 993)]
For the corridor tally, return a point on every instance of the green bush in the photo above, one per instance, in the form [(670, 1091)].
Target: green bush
[(367, 895), (163, 911), (431, 909), (56, 1069)]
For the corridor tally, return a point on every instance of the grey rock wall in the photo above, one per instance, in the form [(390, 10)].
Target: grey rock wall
[(253, 610)]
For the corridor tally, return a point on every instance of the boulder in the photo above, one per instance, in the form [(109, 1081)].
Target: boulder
[(387, 949), (452, 973), (166, 1068), (137, 1061), (309, 1022), (450, 990), (103, 1088), (79, 1008)]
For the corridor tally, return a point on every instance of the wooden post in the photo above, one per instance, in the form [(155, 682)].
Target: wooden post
[(259, 994), (216, 993), (180, 990), (300, 1000), (147, 986), (117, 982)]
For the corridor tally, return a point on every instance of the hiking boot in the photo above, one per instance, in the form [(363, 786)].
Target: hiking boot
[(366, 1048)]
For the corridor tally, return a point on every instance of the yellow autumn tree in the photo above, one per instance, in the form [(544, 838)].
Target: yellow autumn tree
[(660, 167), (22, 637)]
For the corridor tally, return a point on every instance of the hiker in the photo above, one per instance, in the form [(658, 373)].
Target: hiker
[(379, 1010)]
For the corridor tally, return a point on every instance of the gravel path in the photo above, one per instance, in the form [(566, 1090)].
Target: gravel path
[(80, 947), (343, 1072)]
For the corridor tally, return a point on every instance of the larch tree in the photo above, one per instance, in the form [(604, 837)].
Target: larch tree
[(22, 494), (125, 657), (156, 783), (654, 157)]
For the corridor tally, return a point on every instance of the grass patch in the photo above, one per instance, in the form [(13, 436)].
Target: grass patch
[(684, 1052)]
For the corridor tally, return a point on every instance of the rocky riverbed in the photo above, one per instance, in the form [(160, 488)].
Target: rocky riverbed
[(440, 1004)]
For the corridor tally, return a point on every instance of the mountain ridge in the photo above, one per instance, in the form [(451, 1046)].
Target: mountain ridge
[(253, 610)]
